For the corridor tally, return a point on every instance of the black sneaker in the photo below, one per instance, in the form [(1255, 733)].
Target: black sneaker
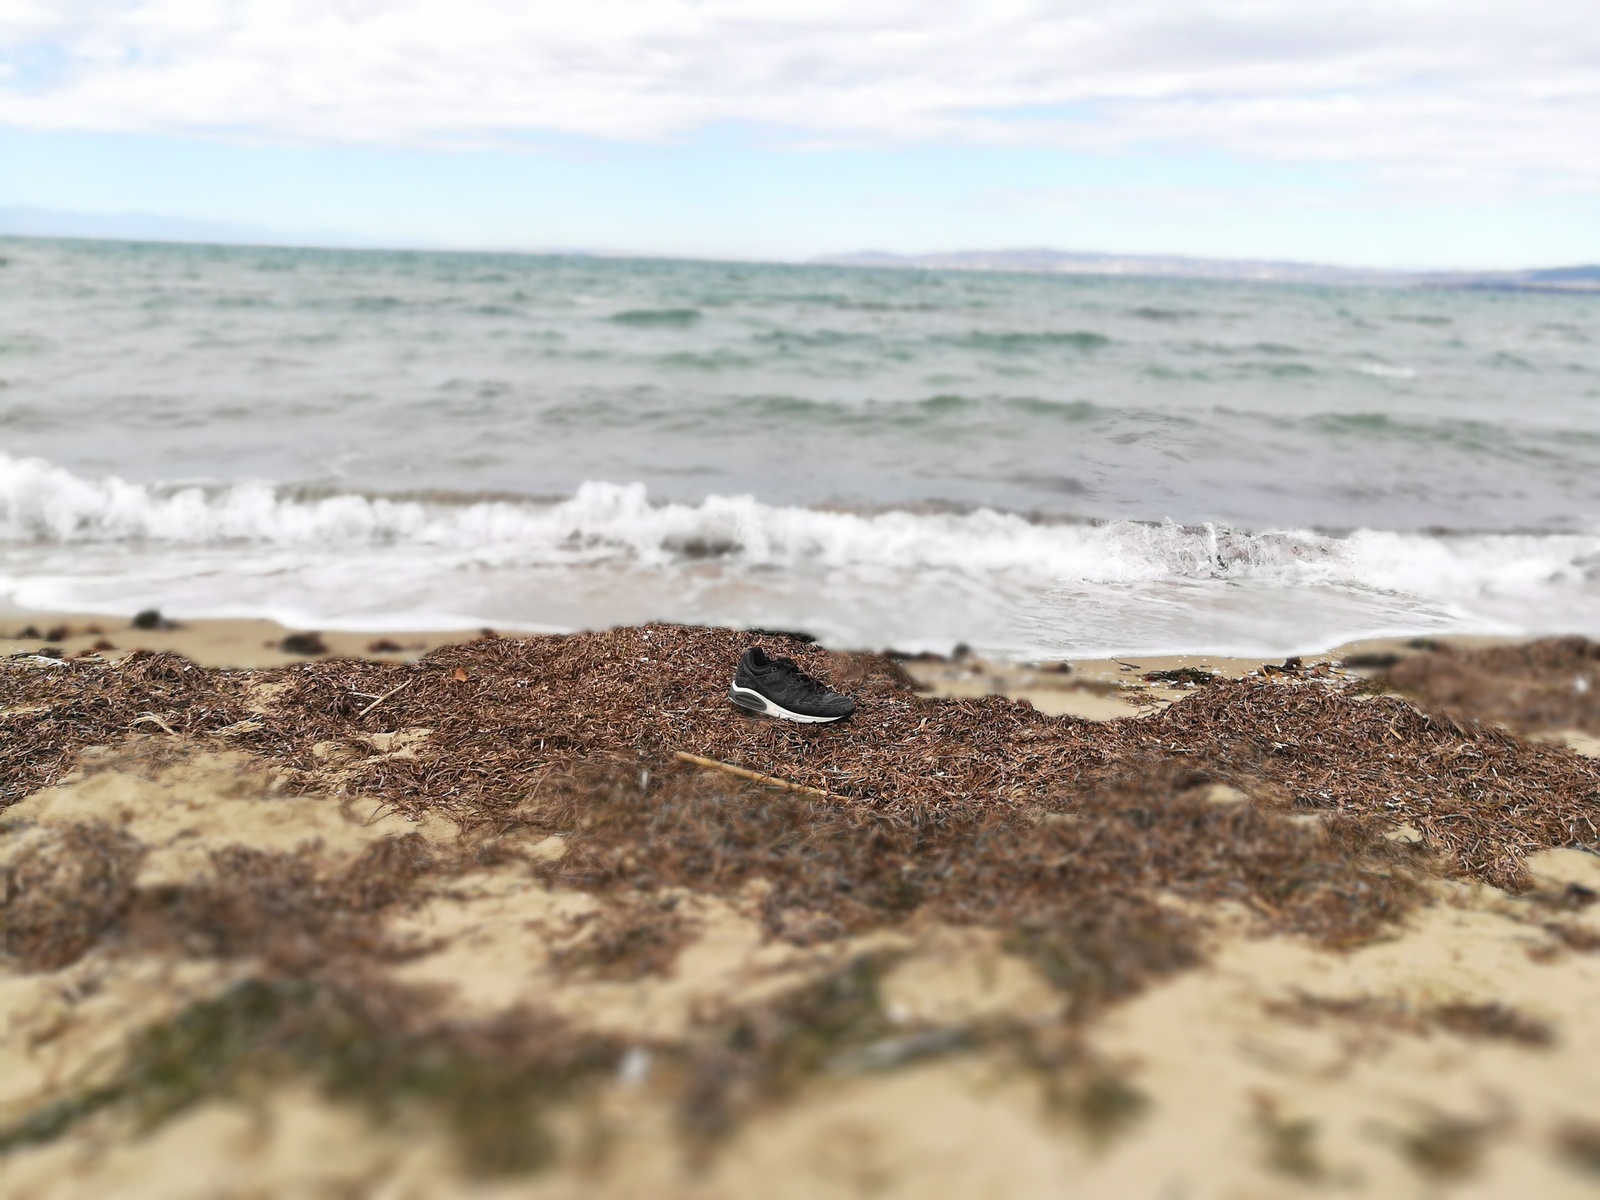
[(778, 688)]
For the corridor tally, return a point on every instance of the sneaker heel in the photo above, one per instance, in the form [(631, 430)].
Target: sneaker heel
[(739, 700)]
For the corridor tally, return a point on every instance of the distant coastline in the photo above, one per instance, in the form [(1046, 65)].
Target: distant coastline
[(1044, 261), (50, 225)]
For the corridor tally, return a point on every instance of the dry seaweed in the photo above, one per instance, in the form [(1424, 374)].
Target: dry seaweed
[(1289, 1143), (1445, 1146), (857, 867), (64, 891), (1496, 1021), (1579, 1143), (938, 801), (1190, 676), (75, 887), (1575, 937), (294, 910), (379, 1047), (1480, 796), (760, 1055), (391, 1051), (1544, 685), (628, 940), (1072, 838), (504, 713), (1493, 1021)]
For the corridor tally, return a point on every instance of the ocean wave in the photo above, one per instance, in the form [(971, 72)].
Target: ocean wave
[(607, 522), (657, 318), (1022, 343)]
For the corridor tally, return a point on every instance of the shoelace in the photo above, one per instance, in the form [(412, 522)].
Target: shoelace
[(812, 686)]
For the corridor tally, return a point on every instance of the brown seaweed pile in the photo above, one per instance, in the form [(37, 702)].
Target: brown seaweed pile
[(1095, 849), (504, 716), (1552, 684)]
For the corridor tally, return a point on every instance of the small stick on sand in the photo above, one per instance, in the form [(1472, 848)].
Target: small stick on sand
[(753, 776), (151, 717), (407, 683)]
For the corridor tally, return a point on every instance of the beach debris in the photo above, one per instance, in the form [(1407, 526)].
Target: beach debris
[(394, 691), (1579, 1143), (1093, 851), (1447, 1146), (890, 1052), (64, 890), (712, 764), (787, 635), (1541, 685), (1491, 1021), (1483, 798), (384, 646), (1292, 665), (151, 619), (1290, 1143), (488, 1085), (239, 728), (629, 941), (1574, 937), (1183, 676), (28, 634), (1370, 661), (309, 644), (1495, 1021), (32, 658), (151, 718)]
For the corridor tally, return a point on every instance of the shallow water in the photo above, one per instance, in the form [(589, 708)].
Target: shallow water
[(1036, 465)]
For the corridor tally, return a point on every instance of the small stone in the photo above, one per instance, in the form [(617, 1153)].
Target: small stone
[(303, 643)]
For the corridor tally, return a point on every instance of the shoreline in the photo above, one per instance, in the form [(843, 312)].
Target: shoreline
[(1090, 688)]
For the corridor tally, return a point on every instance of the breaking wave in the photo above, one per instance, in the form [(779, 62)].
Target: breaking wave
[(608, 522)]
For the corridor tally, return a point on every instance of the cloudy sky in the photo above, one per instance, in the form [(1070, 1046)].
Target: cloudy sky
[(1406, 133)]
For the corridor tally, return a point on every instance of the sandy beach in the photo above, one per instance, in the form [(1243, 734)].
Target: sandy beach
[(446, 914)]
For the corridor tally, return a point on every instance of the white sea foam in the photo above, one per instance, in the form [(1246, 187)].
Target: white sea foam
[(896, 577)]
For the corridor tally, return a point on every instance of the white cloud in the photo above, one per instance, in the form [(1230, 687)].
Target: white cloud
[(1429, 90)]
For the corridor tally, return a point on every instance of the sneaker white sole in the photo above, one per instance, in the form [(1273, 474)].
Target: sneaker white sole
[(753, 701)]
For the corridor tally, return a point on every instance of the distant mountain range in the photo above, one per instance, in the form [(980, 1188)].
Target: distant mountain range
[(1062, 262), (149, 227)]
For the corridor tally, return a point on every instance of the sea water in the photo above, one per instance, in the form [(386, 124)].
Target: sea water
[(1038, 465)]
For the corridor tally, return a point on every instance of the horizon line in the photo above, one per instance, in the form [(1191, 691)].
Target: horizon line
[(228, 235)]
